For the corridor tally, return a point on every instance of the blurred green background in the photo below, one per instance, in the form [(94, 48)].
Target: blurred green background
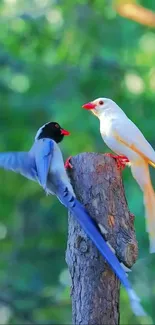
[(54, 56)]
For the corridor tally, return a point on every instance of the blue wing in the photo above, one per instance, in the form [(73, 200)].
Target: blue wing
[(18, 162), (12, 160), (43, 156)]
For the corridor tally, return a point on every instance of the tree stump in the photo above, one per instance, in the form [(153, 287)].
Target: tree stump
[(95, 288)]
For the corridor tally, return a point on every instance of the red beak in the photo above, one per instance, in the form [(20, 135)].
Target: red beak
[(89, 106), (65, 132)]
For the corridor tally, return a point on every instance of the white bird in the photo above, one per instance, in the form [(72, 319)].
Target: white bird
[(123, 137)]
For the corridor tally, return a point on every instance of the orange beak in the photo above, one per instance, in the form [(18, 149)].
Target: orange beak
[(65, 132), (89, 106)]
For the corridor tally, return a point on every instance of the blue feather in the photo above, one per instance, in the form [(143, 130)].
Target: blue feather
[(43, 158), (93, 233), (19, 162)]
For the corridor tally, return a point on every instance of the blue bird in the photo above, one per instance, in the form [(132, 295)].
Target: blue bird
[(44, 164)]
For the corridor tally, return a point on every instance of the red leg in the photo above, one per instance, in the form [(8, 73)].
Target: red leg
[(120, 160), (67, 163)]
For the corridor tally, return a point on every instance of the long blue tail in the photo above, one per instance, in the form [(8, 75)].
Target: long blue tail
[(94, 234)]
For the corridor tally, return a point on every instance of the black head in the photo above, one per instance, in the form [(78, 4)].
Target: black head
[(51, 130)]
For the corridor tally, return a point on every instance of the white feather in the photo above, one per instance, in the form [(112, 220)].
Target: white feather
[(135, 304)]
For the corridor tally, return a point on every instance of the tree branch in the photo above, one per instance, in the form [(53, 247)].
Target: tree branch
[(136, 12), (95, 288)]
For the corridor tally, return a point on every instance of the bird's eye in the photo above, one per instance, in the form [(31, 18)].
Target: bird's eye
[(57, 125), (101, 102)]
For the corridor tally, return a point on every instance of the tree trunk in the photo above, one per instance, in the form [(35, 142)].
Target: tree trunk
[(95, 288)]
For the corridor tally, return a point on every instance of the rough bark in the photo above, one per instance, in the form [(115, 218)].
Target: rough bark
[(95, 288)]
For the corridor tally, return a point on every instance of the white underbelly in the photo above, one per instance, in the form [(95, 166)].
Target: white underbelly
[(120, 148)]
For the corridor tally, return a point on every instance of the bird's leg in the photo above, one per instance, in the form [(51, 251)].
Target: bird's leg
[(67, 163), (121, 161)]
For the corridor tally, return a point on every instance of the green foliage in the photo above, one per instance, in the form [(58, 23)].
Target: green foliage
[(54, 56)]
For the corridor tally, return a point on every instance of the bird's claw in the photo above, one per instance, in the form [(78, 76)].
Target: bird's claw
[(121, 161), (68, 164)]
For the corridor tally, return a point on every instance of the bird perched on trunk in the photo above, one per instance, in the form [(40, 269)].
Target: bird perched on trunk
[(123, 137), (44, 164)]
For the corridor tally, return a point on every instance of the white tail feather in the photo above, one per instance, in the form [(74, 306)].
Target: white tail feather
[(140, 171), (135, 304), (149, 202)]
